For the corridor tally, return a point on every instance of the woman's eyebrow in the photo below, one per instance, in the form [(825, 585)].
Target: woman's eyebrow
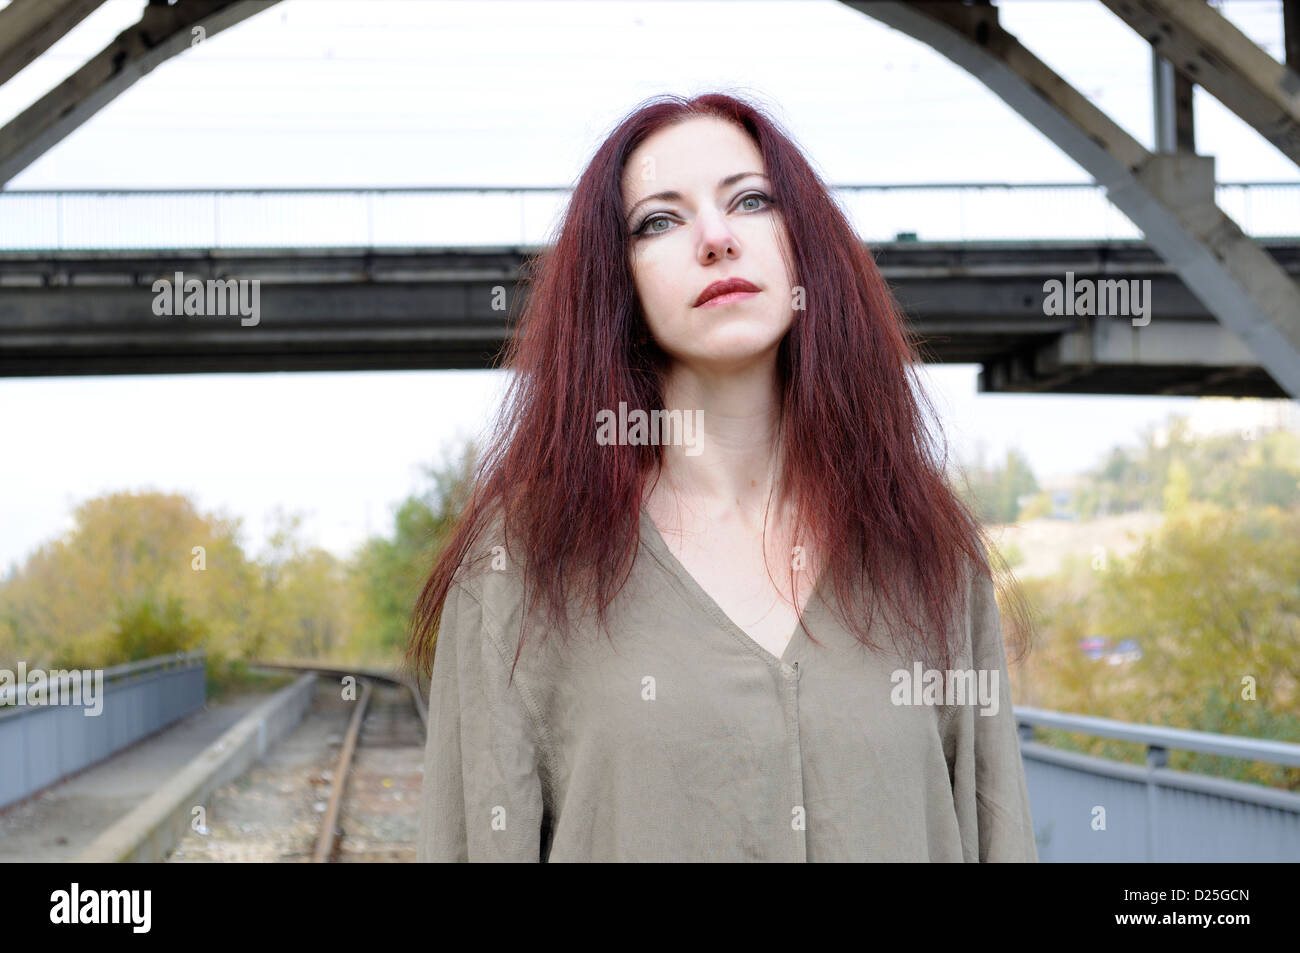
[(676, 196)]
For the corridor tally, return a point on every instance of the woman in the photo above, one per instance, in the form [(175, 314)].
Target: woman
[(728, 713)]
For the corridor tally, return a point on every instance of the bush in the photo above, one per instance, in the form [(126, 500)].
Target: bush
[(144, 629)]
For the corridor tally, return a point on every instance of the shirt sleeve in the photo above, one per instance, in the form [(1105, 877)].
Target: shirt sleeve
[(482, 794), (988, 774)]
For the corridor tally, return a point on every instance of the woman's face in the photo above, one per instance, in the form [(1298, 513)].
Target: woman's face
[(720, 225)]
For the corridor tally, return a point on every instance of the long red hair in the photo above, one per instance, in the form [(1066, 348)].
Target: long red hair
[(857, 459)]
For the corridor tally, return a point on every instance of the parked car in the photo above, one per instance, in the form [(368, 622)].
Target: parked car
[(1094, 647)]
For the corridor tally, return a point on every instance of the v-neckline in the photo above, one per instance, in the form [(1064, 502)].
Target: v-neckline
[(650, 533)]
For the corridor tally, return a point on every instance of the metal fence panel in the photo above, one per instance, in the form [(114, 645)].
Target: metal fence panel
[(39, 744)]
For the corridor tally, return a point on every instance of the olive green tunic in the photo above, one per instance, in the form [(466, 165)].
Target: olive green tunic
[(685, 740)]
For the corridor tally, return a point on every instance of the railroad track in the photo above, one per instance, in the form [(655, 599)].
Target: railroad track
[(381, 719), (342, 787)]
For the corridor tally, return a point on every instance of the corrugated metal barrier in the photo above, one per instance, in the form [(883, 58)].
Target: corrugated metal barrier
[(49, 734)]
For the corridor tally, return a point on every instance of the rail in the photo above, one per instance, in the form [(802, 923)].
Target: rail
[(89, 219), (1152, 813)]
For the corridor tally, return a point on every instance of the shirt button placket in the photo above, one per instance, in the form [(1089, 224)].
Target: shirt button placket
[(791, 673)]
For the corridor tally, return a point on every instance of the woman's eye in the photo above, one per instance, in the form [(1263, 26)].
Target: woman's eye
[(647, 229)]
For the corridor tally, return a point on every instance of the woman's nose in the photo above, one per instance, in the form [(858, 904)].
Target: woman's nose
[(717, 239)]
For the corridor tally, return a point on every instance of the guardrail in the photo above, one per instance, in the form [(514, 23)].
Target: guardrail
[(1094, 809), (41, 743), (456, 216), (154, 826)]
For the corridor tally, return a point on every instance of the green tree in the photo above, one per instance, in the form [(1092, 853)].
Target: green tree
[(389, 571), (147, 626), (125, 548), (1213, 601), (142, 571), (995, 492), (1229, 470), (1178, 488)]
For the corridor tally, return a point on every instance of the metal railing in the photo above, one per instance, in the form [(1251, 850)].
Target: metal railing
[(117, 674), (1095, 809), (455, 216), (41, 743)]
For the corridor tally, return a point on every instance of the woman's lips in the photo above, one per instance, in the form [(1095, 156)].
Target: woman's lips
[(728, 298), (727, 286)]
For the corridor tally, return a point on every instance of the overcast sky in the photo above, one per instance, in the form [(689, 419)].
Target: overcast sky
[(429, 93)]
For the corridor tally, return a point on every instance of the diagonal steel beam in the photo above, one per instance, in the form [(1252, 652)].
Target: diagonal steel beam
[(1171, 198), (162, 32), (1213, 53), (30, 27)]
